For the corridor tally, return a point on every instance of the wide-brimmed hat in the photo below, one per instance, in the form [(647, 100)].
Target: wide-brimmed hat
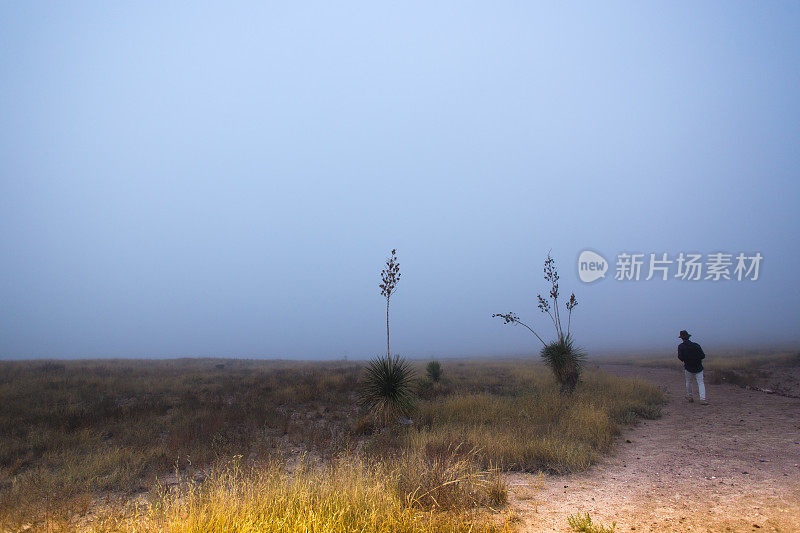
[(683, 334)]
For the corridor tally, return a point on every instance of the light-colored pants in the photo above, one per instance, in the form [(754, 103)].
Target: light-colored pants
[(701, 388)]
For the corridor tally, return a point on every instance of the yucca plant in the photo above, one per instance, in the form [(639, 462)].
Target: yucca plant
[(563, 358), (434, 371), (387, 388)]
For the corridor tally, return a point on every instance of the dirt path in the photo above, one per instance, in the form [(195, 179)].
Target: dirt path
[(730, 466)]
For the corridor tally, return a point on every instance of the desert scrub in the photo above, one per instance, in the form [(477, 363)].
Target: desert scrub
[(72, 429), (350, 494)]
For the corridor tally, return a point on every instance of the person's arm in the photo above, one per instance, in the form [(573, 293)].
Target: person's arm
[(700, 351), (680, 352)]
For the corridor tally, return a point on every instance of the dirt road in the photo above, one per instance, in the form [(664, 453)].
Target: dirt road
[(733, 465)]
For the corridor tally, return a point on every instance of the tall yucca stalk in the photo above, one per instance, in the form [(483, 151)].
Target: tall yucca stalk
[(390, 277), (560, 355)]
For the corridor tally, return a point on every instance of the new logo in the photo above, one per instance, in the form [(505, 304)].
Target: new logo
[(591, 266)]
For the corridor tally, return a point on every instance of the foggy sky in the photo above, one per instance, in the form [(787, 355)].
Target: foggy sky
[(199, 180)]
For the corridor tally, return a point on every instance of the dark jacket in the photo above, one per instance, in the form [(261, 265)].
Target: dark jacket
[(692, 356)]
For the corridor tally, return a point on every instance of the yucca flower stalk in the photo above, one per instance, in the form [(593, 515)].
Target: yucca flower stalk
[(571, 303), (390, 277), (512, 318), (560, 355)]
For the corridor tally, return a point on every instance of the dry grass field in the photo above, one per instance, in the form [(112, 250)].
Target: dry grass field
[(212, 445)]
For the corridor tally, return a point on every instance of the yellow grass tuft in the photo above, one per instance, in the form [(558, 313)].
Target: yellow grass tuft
[(351, 494)]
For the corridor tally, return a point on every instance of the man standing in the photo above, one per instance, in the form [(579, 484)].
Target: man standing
[(692, 356)]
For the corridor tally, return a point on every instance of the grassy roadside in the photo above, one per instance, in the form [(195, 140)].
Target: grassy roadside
[(71, 431)]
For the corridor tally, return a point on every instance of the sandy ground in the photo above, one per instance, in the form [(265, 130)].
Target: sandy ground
[(733, 465)]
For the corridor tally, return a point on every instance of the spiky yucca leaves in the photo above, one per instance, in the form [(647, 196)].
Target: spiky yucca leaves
[(386, 387), (434, 371), (565, 360)]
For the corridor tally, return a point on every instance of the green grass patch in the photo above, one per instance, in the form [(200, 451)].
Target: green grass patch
[(584, 524)]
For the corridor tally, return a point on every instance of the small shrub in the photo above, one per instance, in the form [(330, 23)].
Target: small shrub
[(583, 523), (387, 387), (434, 371)]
